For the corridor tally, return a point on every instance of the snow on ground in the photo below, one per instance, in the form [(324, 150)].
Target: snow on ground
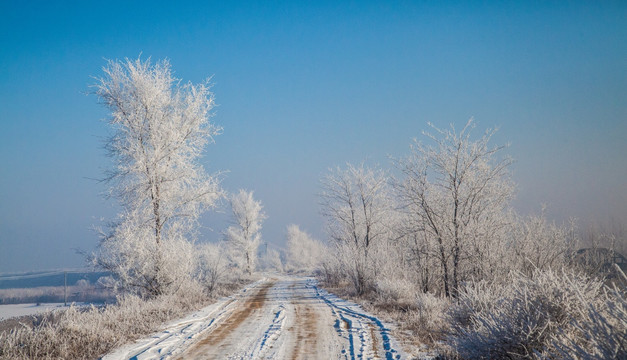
[(279, 317), (15, 310)]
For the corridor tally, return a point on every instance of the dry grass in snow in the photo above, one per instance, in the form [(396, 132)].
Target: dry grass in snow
[(79, 333), (550, 314)]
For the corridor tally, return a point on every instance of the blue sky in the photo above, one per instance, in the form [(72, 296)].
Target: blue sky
[(304, 86)]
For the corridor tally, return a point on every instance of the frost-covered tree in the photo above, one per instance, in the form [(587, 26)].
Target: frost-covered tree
[(244, 236), (271, 261), (355, 202), (211, 264), (304, 252), (160, 128), (542, 245), (456, 192)]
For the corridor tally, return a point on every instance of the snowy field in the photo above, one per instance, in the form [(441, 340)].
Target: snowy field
[(276, 318), (15, 310)]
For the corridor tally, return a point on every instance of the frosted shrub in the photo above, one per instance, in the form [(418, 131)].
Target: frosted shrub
[(395, 290), (519, 318), (475, 297), (601, 330), (540, 244), (429, 319), (331, 274), (420, 316), (87, 333), (212, 265)]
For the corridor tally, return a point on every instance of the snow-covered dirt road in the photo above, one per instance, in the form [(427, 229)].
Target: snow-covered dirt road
[(275, 318)]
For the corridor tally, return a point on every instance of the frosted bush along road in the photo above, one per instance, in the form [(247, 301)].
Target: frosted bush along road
[(275, 318)]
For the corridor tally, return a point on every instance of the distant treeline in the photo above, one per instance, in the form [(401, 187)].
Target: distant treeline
[(48, 278)]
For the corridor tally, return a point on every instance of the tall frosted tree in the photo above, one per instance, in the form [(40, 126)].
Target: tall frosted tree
[(456, 192), (355, 202), (160, 127), (244, 236)]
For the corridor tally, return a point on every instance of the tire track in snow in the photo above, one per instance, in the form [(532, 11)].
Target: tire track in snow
[(271, 335), (367, 348)]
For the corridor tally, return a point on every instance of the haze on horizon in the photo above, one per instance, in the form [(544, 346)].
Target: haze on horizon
[(302, 88)]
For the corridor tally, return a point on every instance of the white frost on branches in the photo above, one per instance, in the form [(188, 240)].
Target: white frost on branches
[(212, 264), (304, 252), (355, 202), (160, 129), (456, 193), (244, 236)]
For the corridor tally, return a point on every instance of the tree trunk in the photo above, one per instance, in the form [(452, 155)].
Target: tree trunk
[(444, 268), (158, 286)]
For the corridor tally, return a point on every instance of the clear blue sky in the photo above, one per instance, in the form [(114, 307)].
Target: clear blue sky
[(304, 86)]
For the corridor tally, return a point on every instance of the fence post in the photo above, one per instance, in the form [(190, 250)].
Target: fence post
[(65, 288)]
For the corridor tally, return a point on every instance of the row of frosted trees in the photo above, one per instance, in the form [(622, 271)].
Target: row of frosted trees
[(437, 240), (444, 219), (160, 128)]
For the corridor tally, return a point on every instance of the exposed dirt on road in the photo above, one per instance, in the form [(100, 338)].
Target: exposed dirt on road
[(305, 327), (375, 340), (284, 317), (222, 332)]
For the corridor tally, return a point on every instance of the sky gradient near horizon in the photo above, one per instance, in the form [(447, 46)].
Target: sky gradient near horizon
[(305, 86)]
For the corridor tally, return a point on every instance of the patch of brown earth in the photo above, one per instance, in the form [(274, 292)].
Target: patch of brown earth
[(306, 325), (375, 341), (217, 336)]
